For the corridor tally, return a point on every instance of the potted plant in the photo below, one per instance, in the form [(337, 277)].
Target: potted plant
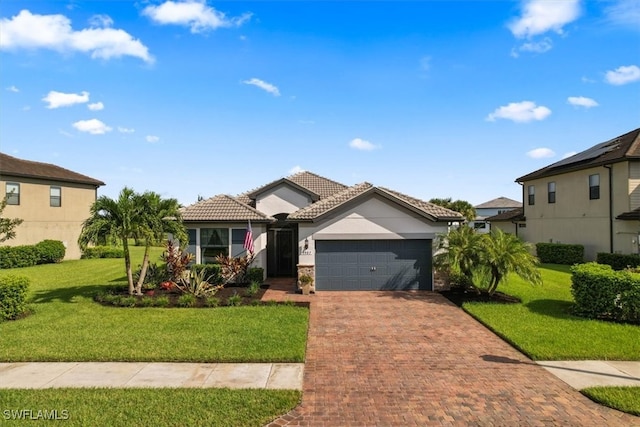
[(306, 283)]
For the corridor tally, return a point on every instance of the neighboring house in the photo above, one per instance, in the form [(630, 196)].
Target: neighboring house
[(348, 238), (591, 198), (512, 221), (53, 202), (491, 208)]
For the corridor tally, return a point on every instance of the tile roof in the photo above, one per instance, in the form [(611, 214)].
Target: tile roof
[(317, 186), (12, 166), (317, 210), (633, 215), (618, 149), (500, 202), (223, 208), (512, 215)]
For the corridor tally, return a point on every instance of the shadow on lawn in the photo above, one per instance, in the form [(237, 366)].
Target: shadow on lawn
[(66, 294), (550, 307)]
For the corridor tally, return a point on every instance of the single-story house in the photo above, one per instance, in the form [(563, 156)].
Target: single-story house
[(511, 221), (52, 201), (359, 237)]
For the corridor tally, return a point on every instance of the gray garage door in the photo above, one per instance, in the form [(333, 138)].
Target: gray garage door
[(351, 265)]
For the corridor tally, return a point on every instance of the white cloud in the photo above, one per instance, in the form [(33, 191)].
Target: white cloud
[(59, 99), (92, 126), (152, 138), (581, 101), (192, 13), (54, 32), (541, 16), (623, 75), (569, 154), (122, 129), (13, 89), (101, 21), (586, 79), (361, 144), (541, 46), (541, 153), (294, 170), (521, 112), (263, 85), (624, 12), (96, 106)]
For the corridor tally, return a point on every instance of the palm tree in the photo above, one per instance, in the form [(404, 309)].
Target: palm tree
[(110, 219), (158, 217), (459, 251), (503, 253), (462, 206)]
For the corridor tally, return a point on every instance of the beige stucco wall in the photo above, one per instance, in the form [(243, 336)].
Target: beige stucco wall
[(374, 218), (41, 221), (281, 199), (259, 232), (574, 218), (506, 226)]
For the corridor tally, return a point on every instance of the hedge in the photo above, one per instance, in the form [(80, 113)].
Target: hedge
[(103, 252), (618, 261), (13, 296), (45, 252), (603, 293), (51, 251), (212, 271), (560, 253), (255, 274)]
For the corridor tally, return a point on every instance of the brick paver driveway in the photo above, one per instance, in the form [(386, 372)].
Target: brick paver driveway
[(407, 359)]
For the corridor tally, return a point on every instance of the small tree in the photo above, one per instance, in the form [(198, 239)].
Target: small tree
[(7, 225), (459, 252)]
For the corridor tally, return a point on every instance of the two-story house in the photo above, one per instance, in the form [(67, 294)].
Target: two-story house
[(490, 208), (52, 201), (591, 198)]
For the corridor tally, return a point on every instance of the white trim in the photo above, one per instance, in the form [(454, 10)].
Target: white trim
[(374, 236)]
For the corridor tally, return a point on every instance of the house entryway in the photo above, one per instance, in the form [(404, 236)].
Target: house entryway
[(282, 254)]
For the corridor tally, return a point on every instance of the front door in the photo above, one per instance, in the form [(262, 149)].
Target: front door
[(282, 256)]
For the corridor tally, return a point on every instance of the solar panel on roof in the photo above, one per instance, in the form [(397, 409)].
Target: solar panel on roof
[(591, 153)]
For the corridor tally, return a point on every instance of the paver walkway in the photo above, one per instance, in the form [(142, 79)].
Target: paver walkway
[(415, 359)]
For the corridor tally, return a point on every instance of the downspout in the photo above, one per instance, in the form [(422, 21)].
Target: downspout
[(610, 167)]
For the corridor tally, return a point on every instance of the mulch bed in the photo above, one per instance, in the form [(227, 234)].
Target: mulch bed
[(460, 296)]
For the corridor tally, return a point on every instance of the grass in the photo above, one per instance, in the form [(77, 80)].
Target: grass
[(626, 399), (151, 407), (67, 325), (544, 328)]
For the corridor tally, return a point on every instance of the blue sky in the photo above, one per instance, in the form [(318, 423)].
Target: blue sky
[(430, 98)]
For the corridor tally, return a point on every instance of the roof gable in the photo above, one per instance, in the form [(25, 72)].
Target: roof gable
[(618, 149), (352, 195), (12, 166), (512, 215), (223, 208), (499, 203), (316, 186)]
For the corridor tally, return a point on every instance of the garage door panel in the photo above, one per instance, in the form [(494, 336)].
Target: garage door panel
[(399, 265)]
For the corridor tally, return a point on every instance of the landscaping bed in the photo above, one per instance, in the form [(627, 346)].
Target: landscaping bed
[(459, 296), (228, 296)]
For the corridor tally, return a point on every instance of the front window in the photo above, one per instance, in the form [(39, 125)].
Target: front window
[(551, 192), (532, 195), (13, 193), (213, 242), (55, 197), (237, 242), (594, 186)]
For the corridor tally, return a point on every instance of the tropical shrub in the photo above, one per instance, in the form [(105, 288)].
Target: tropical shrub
[(234, 269), (253, 289), (177, 261), (212, 271), (234, 300), (560, 253), (197, 285), (13, 296), (618, 261), (50, 251), (155, 274)]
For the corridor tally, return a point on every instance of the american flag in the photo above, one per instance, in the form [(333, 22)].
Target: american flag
[(248, 239)]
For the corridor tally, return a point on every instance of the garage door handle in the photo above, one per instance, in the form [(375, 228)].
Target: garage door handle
[(373, 269)]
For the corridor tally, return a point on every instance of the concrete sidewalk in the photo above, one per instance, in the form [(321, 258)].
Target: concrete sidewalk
[(142, 374), (581, 374)]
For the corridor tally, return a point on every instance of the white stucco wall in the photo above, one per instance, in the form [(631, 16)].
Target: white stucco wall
[(375, 218), (281, 199)]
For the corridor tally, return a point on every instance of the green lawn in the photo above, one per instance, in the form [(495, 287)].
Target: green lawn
[(543, 327), (67, 325), (626, 399), (146, 407)]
